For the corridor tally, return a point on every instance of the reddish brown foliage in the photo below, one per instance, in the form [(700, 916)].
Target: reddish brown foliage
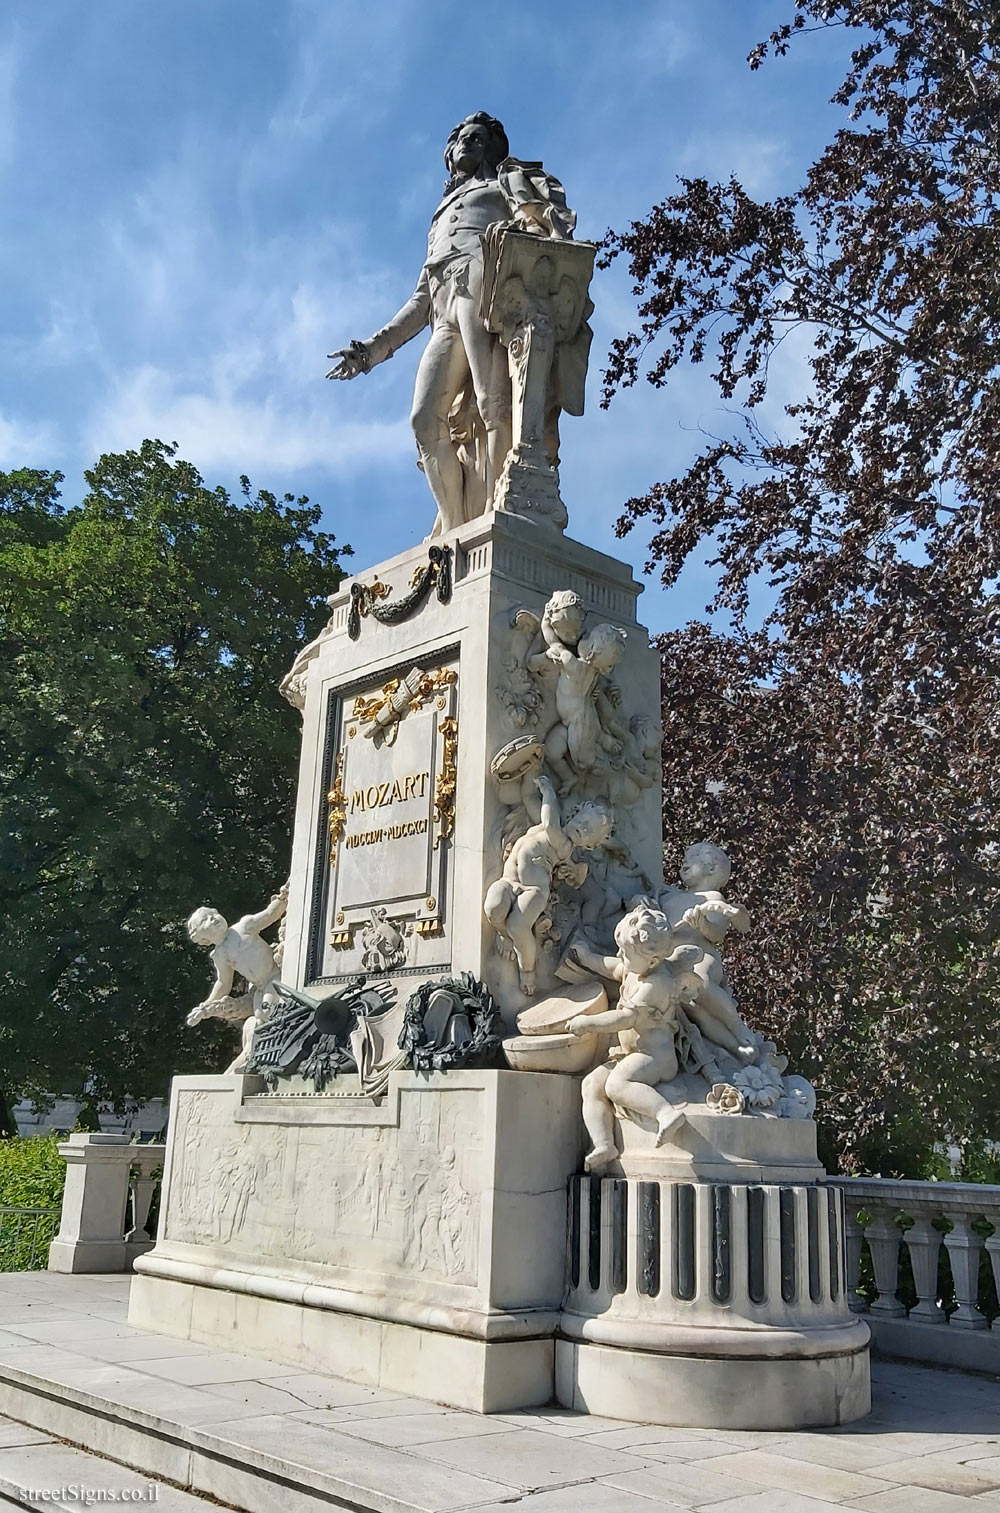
[(860, 736)]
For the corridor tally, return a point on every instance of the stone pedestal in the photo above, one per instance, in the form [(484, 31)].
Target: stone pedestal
[(711, 1304), (416, 1243), (99, 1178), (710, 1147), (406, 818), (409, 1230)]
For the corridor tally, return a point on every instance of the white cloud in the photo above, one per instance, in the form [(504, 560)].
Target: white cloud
[(23, 444), (341, 65), (759, 162), (69, 337), (238, 336), (217, 426), (656, 45), (789, 378)]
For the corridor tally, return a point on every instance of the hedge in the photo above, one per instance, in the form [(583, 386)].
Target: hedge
[(32, 1174)]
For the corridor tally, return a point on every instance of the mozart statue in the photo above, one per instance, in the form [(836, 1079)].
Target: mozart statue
[(463, 419)]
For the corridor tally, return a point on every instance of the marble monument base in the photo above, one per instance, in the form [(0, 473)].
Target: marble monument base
[(712, 1304), (415, 1242), (720, 1148)]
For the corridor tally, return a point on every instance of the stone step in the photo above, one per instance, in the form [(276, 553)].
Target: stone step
[(38, 1471), (261, 1436), (252, 1463)]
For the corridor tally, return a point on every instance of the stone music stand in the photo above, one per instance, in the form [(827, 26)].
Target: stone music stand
[(535, 300)]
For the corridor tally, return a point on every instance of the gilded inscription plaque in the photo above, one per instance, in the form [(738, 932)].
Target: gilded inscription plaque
[(389, 819)]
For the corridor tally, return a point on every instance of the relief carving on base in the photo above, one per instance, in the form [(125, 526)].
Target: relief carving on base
[(358, 1199), (383, 942), (219, 1170)]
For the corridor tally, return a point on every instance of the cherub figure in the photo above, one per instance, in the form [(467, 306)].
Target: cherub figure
[(515, 904), (576, 742), (563, 619), (701, 918), (646, 1021), (240, 949), (613, 877), (641, 757)]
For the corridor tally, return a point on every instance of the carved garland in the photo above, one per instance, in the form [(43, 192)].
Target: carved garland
[(365, 597)]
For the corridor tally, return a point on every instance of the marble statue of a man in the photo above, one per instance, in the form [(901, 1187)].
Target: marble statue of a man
[(462, 398)]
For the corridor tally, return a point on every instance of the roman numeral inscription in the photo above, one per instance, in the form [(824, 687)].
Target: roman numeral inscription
[(386, 833)]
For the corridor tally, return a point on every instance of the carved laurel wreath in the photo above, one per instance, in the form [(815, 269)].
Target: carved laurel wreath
[(470, 997)]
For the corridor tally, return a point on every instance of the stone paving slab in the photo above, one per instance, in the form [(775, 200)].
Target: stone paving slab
[(261, 1437)]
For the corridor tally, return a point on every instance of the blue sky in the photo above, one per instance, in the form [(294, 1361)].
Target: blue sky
[(204, 197)]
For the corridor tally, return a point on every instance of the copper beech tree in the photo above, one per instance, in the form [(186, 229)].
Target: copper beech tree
[(854, 740)]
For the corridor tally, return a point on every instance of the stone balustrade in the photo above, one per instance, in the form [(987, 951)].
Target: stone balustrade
[(899, 1222), (110, 1186)]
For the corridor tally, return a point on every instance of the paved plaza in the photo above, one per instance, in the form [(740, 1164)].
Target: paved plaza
[(257, 1435)]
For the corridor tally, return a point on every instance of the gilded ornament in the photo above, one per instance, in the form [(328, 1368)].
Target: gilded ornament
[(444, 790), (336, 801), (402, 696)]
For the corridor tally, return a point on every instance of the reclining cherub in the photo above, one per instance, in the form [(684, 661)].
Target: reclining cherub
[(646, 1022), (515, 904)]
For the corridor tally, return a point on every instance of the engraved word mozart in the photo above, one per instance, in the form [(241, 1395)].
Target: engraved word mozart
[(381, 795)]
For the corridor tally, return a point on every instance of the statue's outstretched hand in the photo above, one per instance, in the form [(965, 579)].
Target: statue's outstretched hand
[(350, 361)]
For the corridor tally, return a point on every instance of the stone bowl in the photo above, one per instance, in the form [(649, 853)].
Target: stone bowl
[(551, 1053), (548, 1014)]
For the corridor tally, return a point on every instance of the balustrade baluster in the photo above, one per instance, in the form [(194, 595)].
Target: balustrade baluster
[(143, 1187), (964, 1248), (971, 1345), (95, 1200), (993, 1251), (923, 1242), (853, 1236), (884, 1237)]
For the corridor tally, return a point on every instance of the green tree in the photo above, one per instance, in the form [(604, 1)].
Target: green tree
[(147, 762), (857, 743)]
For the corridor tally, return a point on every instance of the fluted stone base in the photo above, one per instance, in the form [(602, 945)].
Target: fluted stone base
[(709, 1304), (701, 1392)]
